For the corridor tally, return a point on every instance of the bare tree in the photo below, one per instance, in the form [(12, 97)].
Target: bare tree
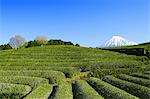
[(16, 41), (41, 40)]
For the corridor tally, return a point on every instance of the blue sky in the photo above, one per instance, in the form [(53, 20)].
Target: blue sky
[(87, 22)]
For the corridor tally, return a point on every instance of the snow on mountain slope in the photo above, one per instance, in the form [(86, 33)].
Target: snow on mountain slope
[(118, 41)]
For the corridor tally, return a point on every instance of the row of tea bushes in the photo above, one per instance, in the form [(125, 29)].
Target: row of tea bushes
[(13, 91), (140, 81), (63, 91), (109, 91), (111, 64), (145, 76), (25, 80), (41, 92), (100, 73), (68, 71), (147, 72), (82, 90), (132, 88), (53, 76)]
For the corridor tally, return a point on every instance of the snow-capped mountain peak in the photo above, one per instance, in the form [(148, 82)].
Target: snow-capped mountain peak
[(118, 41)]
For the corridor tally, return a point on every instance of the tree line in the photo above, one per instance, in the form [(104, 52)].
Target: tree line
[(19, 42)]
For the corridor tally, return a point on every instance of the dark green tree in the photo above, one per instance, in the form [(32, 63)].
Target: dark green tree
[(77, 45)]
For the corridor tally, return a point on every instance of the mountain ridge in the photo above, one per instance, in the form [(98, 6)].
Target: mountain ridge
[(116, 41)]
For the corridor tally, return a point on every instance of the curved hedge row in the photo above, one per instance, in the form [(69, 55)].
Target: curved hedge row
[(132, 88), (145, 76), (63, 91), (140, 81), (41, 92), (32, 81), (53, 76), (69, 71), (108, 91), (13, 91), (147, 72), (100, 73), (82, 90)]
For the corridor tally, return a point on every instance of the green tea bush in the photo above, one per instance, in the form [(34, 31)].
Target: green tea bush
[(132, 88), (25, 80), (147, 67), (41, 92), (68, 71), (100, 73), (13, 91), (63, 91), (108, 91), (53, 76), (140, 75), (136, 80), (147, 72), (82, 90), (110, 64)]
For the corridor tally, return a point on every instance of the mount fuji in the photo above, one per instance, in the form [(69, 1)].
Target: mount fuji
[(118, 41)]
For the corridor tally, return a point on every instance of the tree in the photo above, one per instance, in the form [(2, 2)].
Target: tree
[(7, 46), (41, 40), (77, 45), (55, 42), (68, 43), (16, 41), (32, 43), (1, 47)]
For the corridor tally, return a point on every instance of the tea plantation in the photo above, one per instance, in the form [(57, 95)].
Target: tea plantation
[(71, 72)]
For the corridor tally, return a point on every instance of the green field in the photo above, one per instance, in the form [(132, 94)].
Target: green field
[(71, 72)]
